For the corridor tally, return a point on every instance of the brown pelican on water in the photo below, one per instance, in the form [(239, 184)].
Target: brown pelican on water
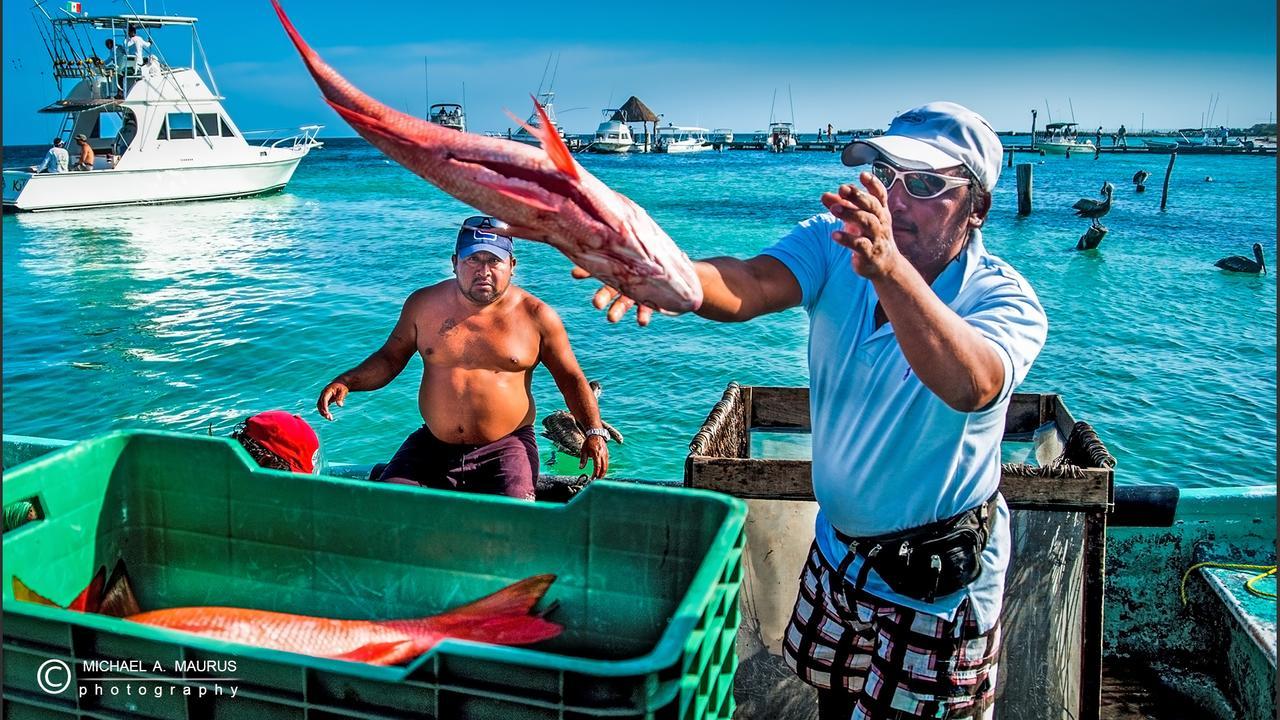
[(1095, 209), (567, 435), (1140, 180), (1242, 264)]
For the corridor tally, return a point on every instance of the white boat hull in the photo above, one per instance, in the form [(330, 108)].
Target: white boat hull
[(1060, 148), (27, 192), (676, 148), (611, 147)]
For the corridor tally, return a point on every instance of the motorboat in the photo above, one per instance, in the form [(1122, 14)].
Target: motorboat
[(782, 137), (449, 115), (159, 131), (613, 135), (679, 139), (1061, 139), (721, 136)]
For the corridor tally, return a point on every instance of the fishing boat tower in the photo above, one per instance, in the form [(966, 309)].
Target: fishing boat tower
[(158, 130)]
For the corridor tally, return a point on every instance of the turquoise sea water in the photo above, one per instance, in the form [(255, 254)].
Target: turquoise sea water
[(190, 316)]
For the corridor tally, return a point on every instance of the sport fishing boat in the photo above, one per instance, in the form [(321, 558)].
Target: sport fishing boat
[(449, 115), (613, 135), (547, 99), (159, 132), (1060, 139)]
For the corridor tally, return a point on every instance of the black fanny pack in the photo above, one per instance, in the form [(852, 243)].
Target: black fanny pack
[(925, 562)]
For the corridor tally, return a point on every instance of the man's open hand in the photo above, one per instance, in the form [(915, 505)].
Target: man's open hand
[(597, 451), (868, 227)]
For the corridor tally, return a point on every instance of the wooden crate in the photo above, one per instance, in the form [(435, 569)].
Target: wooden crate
[(1051, 665)]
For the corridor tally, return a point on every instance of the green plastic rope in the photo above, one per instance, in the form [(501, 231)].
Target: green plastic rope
[(1268, 571), (17, 514)]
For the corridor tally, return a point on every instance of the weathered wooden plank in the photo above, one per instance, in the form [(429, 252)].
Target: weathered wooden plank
[(752, 477), (1091, 630), (1092, 492), (1062, 417), (779, 407), (792, 480), (1023, 415)]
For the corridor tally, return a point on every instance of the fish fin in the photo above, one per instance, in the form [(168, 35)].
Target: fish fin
[(23, 593), (551, 141), (383, 653), (520, 194), (118, 599), (88, 600)]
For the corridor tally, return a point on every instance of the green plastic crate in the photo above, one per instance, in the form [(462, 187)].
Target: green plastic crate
[(647, 584)]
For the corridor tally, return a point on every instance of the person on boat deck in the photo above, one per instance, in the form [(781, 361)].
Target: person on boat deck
[(55, 161), (117, 62), (917, 338), (480, 338), (151, 67), (85, 162), (136, 45), (278, 440)]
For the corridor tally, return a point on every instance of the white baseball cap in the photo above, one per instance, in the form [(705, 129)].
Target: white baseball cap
[(933, 137)]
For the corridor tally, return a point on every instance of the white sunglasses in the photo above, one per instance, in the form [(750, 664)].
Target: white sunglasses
[(920, 184)]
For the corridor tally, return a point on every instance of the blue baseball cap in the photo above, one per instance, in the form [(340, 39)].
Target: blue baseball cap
[(483, 233)]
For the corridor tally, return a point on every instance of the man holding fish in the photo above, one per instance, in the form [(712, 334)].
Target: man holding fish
[(918, 337)]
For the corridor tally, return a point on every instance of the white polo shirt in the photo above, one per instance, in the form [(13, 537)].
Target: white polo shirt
[(888, 454)]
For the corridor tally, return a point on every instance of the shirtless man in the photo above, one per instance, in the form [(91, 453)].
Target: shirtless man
[(480, 337)]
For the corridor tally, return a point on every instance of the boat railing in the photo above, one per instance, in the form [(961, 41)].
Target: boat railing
[(305, 137)]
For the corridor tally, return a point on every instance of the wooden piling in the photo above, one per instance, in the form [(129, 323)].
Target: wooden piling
[(1164, 194), (1010, 158), (1024, 188)]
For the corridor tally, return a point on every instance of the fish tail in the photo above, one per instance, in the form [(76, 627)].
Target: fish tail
[(365, 114), (503, 618)]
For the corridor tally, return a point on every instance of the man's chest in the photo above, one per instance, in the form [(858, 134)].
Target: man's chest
[(497, 343)]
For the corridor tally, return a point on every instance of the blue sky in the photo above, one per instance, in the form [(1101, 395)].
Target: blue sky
[(717, 65)]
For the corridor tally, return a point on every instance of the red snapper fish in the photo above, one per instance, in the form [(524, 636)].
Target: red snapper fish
[(503, 618), (543, 194)]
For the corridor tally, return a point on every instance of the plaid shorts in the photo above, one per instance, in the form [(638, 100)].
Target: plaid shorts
[(897, 662)]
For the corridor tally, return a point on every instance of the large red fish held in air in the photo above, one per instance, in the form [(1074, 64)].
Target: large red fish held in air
[(503, 618), (543, 194)]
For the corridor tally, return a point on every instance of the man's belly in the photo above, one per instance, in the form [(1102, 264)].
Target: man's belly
[(474, 406)]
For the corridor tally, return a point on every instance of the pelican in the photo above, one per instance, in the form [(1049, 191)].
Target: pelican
[(1242, 264), (1095, 209), (567, 435), (1091, 237), (1140, 180)]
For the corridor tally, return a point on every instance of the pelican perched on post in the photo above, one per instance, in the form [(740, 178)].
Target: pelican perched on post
[(567, 435), (1140, 180), (1095, 209), (1242, 264)]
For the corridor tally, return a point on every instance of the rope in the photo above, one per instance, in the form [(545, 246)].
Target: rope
[(1268, 571), (18, 514)]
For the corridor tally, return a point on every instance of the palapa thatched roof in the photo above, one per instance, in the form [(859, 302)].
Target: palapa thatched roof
[(633, 110)]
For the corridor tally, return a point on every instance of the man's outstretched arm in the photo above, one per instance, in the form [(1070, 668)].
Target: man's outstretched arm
[(733, 290)]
